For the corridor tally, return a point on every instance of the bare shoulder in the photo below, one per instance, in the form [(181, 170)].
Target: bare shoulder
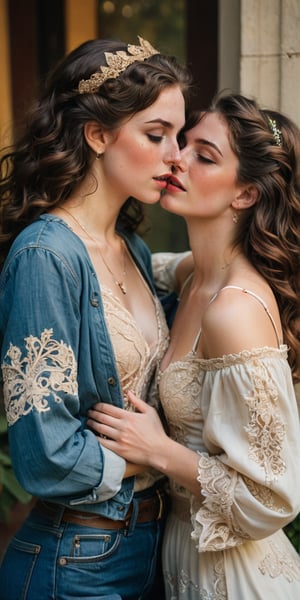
[(236, 321)]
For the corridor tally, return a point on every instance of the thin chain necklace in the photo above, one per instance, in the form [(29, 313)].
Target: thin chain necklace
[(119, 284)]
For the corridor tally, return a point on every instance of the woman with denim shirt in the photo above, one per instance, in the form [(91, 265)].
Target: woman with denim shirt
[(79, 320)]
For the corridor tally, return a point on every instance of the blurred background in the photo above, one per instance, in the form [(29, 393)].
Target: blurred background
[(252, 46)]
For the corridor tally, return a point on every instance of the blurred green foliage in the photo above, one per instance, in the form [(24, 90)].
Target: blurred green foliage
[(162, 22), (292, 530)]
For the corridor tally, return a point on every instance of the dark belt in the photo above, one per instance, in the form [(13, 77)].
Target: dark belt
[(151, 509)]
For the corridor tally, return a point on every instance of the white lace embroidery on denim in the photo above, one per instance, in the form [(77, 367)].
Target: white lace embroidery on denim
[(277, 563), (48, 367), (266, 431)]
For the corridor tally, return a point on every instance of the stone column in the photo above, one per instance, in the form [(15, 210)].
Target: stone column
[(270, 54)]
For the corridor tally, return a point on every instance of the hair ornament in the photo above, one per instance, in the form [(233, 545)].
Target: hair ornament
[(116, 63), (277, 135)]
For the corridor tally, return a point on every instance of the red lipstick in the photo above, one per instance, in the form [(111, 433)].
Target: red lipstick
[(174, 184)]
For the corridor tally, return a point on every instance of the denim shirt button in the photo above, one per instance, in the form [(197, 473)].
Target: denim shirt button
[(94, 302), (62, 561), (120, 508), (111, 381)]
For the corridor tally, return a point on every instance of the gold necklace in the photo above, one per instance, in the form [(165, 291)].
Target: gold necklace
[(119, 284)]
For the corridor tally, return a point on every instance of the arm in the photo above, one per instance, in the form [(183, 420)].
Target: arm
[(170, 270), (248, 475), (40, 322), (139, 437)]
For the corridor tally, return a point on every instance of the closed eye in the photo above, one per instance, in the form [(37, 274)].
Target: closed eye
[(156, 139), (204, 159)]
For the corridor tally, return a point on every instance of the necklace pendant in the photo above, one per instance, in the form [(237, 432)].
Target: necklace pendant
[(122, 287)]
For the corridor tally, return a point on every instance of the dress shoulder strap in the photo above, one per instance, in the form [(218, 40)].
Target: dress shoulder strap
[(254, 295), (259, 299)]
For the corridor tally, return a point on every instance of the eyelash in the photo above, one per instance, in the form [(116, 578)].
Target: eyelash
[(156, 139), (205, 159)]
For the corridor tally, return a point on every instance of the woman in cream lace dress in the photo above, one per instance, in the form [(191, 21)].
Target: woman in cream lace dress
[(226, 382)]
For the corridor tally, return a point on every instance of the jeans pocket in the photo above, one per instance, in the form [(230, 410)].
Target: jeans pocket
[(92, 547), (17, 569)]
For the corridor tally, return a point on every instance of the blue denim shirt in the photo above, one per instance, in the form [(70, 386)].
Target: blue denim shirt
[(57, 361)]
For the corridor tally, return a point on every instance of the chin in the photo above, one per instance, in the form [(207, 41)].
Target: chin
[(154, 200), (166, 202)]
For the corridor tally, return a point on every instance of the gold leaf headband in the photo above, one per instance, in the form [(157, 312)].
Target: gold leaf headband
[(277, 135), (116, 63)]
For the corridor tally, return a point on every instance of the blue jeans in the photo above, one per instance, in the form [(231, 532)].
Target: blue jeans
[(49, 559)]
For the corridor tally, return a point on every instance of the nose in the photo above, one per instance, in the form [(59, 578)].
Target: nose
[(182, 163), (172, 157)]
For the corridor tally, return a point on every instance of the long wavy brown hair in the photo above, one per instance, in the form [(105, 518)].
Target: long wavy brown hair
[(51, 157), (269, 232)]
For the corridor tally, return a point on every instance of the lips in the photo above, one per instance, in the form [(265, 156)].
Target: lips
[(170, 182), (173, 182), (163, 178)]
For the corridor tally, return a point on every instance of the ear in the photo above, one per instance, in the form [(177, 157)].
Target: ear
[(96, 137), (247, 196)]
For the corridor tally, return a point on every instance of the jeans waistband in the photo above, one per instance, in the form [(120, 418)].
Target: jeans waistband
[(141, 510)]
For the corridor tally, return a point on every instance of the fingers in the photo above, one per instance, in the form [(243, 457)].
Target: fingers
[(104, 408), (95, 426), (109, 432), (99, 422), (101, 408), (109, 444), (138, 404)]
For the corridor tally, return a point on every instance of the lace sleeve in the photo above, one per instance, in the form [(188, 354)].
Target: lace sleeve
[(249, 476)]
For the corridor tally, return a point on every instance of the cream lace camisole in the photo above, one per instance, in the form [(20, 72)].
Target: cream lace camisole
[(136, 361)]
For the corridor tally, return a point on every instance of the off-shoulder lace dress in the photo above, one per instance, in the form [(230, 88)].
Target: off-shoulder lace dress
[(239, 413)]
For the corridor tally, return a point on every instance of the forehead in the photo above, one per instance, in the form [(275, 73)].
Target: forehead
[(169, 107), (213, 128)]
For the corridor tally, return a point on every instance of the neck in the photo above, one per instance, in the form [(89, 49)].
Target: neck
[(106, 252), (213, 254), (101, 226)]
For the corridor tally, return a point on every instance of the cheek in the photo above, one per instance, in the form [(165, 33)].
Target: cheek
[(144, 155), (136, 154), (216, 183)]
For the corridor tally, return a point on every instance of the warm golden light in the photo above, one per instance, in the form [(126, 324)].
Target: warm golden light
[(127, 11), (109, 7)]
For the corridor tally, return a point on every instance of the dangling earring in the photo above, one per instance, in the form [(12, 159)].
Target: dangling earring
[(235, 218)]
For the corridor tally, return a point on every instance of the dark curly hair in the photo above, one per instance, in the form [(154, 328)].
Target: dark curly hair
[(269, 231), (51, 156)]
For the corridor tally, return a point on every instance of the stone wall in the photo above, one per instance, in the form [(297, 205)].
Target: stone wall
[(270, 53)]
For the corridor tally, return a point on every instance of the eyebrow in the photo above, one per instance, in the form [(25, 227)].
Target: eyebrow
[(207, 143), (161, 122)]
